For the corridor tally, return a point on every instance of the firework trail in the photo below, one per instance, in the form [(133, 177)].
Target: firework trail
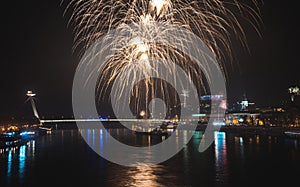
[(213, 21)]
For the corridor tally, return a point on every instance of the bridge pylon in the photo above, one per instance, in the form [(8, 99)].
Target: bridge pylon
[(31, 95)]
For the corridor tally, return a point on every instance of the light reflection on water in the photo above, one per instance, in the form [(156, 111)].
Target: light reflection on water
[(9, 162), (16, 159), (220, 164), (143, 176), (22, 160), (221, 157)]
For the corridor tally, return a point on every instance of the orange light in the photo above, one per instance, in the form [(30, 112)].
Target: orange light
[(235, 122)]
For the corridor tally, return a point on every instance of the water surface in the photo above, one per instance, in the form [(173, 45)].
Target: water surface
[(63, 158)]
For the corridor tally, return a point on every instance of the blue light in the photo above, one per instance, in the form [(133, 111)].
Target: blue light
[(22, 158), (9, 162), (198, 115), (10, 133), (103, 118), (292, 133), (212, 97), (205, 98), (27, 133), (219, 123)]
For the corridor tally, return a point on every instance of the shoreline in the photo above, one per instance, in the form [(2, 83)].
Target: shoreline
[(240, 130)]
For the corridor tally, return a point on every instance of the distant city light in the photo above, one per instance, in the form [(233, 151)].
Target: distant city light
[(27, 133), (10, 133), (142, 113), (219, 123), (212, 97), (198, 115)]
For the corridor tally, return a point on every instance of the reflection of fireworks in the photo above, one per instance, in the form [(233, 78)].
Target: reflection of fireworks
[(144, 20)]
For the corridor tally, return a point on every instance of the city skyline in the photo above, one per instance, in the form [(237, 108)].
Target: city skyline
[(38, 55)]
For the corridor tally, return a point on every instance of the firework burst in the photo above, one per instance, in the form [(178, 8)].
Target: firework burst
[(213, 21)]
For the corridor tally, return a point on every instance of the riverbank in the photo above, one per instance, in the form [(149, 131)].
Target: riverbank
[(239, 130), (253, 130)]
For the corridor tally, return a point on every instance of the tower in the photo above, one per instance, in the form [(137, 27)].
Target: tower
[(30, 95), (244, 104)]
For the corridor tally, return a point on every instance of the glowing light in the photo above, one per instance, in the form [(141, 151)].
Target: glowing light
[(22, 158), (144, 56), (10, 133), (292, 133), (12, 128), (198, 115), (144, 175), (30, 94), (241, 140), (220, 144), (142, 113), (219, 123), (146, 19), (158, 5), (9, 162), (27, 133), (294, 90), (235, 122), (142, 48)]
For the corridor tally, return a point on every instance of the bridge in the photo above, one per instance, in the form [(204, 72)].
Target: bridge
[(31, 96), (102, 120)]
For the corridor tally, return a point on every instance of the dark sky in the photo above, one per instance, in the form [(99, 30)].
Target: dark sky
[(36, 54)]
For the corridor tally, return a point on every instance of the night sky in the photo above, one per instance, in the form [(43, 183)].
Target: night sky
[(36, 54)]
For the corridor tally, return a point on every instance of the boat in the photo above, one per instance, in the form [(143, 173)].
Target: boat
[(156, 132), (165, 129), (159, 132), (169, 125), (10, 137), (13, 136)]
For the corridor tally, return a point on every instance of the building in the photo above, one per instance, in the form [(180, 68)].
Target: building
[(248, 118), (212, 106)]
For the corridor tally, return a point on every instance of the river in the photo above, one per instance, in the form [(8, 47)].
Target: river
[(63, 158)]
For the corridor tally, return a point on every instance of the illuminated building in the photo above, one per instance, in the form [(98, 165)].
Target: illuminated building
[(243, 118), (245, 105), (212, 106), (274, 116)]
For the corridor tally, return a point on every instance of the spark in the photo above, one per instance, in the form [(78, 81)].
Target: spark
[(158, 5), (213, 21)]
